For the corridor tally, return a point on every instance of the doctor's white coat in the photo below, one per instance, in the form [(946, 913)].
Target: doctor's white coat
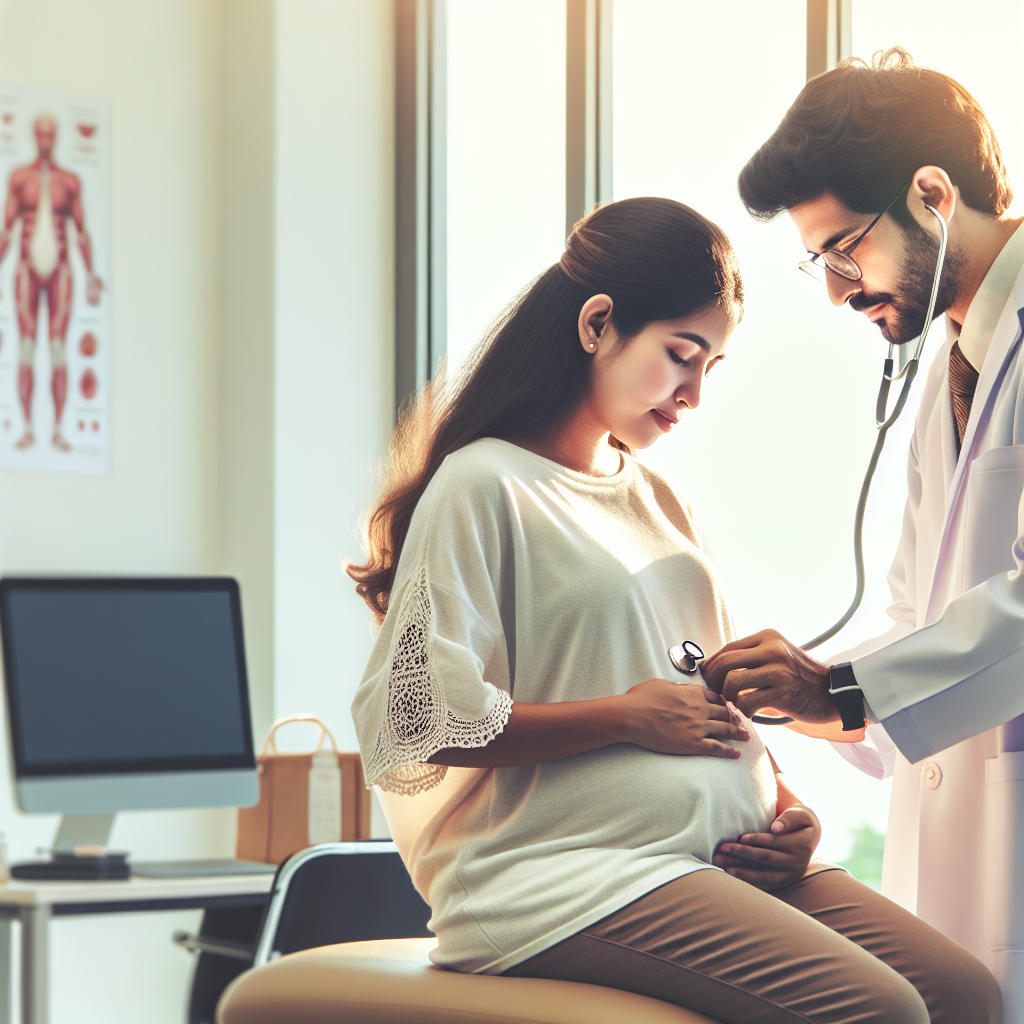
[(954, 669)]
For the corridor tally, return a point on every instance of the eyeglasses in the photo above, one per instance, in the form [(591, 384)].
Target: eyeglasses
[(839, 261)]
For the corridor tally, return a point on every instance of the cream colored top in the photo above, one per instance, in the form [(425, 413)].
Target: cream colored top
[(522, 579)]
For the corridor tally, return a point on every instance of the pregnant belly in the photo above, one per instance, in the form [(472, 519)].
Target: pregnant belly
[(624, 797), (536, 849)]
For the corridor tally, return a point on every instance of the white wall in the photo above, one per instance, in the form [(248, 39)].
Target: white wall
[(216, 468), (155, 62), (157, 512), (334, 369)]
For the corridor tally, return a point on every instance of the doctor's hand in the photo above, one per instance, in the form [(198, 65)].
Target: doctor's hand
[(765, 670), (774, 859), (675, 718)]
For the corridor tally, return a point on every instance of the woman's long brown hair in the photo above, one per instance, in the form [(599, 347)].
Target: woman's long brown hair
[(656, 258)]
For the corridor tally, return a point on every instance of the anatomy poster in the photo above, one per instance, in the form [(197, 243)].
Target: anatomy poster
[(54, 283)]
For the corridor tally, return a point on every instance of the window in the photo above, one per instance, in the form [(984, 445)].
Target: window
[(979, 51), (773, 459), (506, 155)]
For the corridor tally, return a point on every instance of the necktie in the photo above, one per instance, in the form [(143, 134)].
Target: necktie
[(963, 379)]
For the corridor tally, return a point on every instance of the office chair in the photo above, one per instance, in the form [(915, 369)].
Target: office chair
[(335, 892), (340, 892)]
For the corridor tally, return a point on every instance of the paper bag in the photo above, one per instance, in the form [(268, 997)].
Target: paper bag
[(307, 798)]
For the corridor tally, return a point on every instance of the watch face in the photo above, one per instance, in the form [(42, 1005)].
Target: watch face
[(841, 677)]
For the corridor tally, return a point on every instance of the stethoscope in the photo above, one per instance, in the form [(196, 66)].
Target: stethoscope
[(687, 656)]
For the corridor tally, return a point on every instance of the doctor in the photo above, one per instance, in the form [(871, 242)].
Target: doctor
[(854, 162)]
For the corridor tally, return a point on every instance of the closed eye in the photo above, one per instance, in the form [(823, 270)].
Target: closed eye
[(677, 358)]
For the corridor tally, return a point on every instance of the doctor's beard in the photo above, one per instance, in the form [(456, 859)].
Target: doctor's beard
[(909, 302)]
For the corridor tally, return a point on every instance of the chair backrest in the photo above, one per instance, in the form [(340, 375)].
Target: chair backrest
[(341, 892)]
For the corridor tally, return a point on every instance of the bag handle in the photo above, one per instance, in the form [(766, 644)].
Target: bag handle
[(270, 744)]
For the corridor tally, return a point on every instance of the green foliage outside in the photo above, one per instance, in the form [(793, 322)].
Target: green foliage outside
[(865, 860)]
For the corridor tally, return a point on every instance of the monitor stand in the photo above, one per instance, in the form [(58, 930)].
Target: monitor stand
[(79, 853), (78, 830)]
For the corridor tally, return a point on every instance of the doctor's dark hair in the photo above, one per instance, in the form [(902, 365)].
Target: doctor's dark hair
[(657, 260), (860, 132)]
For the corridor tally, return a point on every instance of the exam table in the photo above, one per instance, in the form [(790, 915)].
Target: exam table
[(345, 941)]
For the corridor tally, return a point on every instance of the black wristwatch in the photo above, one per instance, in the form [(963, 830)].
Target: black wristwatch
[(847, 696)]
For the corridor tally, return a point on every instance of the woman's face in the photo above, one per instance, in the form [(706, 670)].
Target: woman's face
[(639, 391)]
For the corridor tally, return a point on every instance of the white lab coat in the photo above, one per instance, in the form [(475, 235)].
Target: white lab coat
[(952, 669)]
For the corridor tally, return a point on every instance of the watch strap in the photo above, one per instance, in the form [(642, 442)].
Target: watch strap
[(847, 696)]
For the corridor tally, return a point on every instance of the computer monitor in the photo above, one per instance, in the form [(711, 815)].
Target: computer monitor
[(125, 694)]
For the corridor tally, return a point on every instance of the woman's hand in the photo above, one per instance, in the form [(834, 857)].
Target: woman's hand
[(668, 718), (774, 859), (675, 718)]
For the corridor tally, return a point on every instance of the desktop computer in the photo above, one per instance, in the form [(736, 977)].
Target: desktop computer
[(125, 694)]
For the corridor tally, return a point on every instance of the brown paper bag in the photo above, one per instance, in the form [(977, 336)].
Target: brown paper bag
[(280, 824)]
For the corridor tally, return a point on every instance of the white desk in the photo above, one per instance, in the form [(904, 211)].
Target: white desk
[(34, 903)]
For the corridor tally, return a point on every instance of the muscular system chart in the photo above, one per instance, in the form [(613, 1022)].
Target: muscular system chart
[(54, 283)]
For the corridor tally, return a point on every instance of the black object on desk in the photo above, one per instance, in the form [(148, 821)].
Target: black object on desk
[(73, 867)]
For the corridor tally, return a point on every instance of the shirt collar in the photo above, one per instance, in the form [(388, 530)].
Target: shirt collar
[(987, 305)]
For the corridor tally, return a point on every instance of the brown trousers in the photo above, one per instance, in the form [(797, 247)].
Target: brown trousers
[(826, 950)]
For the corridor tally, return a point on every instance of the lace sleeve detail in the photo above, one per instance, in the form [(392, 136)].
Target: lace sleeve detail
[(418, 722)]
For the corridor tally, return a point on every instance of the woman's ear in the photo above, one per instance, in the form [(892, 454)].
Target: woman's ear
[(931, 187), (593, 320)]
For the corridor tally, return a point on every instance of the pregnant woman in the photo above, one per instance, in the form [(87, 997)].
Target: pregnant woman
[(565, 805)]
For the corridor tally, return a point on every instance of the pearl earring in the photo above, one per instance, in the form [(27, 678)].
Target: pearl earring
[(592, 346)]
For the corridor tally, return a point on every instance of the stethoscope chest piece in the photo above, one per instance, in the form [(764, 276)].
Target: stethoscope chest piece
[(686, 657)]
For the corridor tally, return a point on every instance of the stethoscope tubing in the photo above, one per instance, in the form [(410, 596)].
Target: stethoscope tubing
[(883, 421)]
